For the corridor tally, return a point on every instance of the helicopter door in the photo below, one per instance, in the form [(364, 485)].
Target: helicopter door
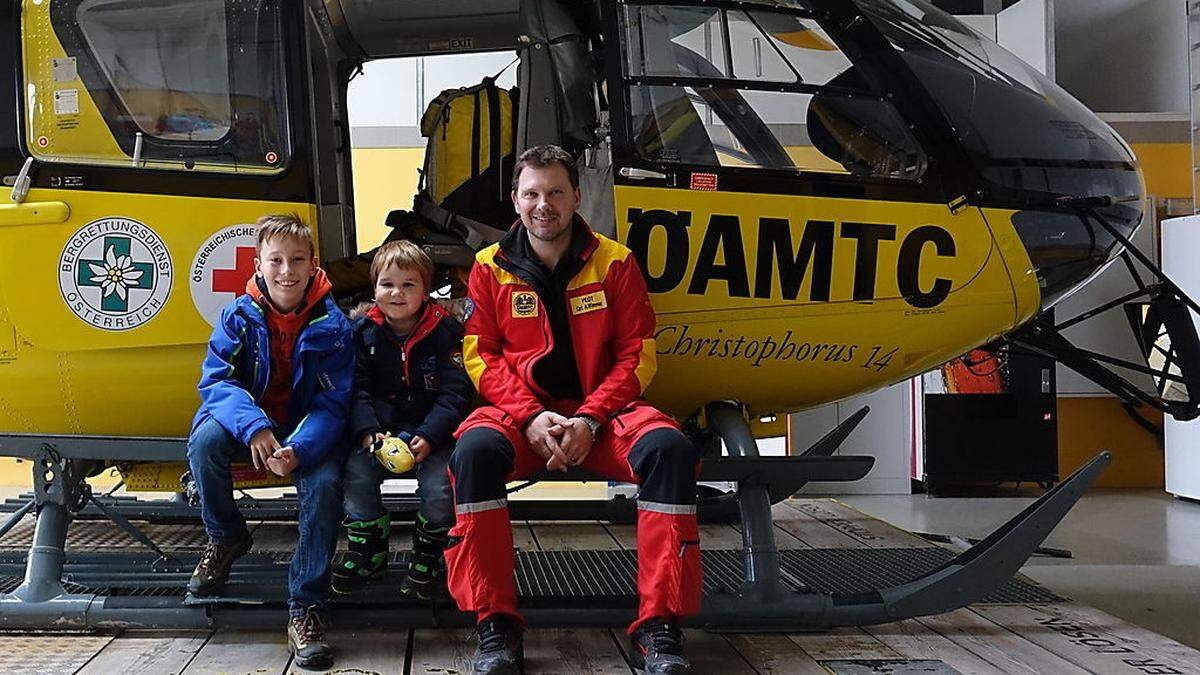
[(780, 204), (158, 133)]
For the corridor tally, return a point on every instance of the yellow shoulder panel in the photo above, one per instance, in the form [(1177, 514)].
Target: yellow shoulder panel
[(487, 258), (607, 252)]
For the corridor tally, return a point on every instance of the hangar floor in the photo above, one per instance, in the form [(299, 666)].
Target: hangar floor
[(1113, 536), (1136, 552)]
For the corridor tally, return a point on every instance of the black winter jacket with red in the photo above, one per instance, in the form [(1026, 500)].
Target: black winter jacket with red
[(416, 384)]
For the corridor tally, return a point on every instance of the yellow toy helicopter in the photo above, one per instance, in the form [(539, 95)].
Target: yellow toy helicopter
[(826, 197)]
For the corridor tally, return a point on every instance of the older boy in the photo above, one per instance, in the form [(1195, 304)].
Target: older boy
[(408, 379), (276, 385)]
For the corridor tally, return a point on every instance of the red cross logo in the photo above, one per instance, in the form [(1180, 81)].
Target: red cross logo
[(234, 280)]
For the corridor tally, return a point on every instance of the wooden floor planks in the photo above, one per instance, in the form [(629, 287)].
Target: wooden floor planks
[(586, 651), (231, 651), (912, 640), (998, 645), (146, 653), (712, 653), (843, 644), (1064, 639), (868, 531), (442, 652), (365, 652), (1094, 640), (773, 654)]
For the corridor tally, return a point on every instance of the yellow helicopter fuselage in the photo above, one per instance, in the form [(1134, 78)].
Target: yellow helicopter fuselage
[(819, 285)]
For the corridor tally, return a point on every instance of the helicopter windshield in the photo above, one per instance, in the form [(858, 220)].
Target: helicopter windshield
[(1028, 138), (758, 88), (982, 88)]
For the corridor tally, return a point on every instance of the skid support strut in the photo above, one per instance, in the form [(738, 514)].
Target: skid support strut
[(760, 555), (56, 484)]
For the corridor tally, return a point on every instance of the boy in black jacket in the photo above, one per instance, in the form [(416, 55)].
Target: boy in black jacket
[(409, 379)]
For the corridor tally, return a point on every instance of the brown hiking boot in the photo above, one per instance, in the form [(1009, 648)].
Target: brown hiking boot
[(306, 641), (213, 569)]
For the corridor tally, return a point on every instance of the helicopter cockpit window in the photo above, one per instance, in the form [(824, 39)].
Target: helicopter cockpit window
[(756, 88), (191, 84), (982, 88)]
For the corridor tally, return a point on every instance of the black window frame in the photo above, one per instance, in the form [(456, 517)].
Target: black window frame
[(948, 175)]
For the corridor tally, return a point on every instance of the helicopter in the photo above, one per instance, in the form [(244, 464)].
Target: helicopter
[(825, 198)]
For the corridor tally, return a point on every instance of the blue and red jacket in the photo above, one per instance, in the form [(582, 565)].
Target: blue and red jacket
[(237, 370)]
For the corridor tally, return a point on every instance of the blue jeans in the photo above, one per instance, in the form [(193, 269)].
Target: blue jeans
[(363, 475), (211, 449)]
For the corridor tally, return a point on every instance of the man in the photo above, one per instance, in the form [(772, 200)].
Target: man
[(560, 342)]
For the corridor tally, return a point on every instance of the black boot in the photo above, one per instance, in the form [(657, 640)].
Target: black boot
[(367, 557), (501, 648), (656, 647), (426, 576)]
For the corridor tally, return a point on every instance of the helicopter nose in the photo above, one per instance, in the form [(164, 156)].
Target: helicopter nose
[(1036, 149), (1068, 247)]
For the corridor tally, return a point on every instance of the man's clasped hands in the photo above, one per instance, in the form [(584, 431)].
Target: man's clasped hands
[(562, 441)]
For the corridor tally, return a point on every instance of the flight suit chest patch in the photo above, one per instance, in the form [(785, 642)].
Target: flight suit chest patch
[(588, 303), (524, 304)]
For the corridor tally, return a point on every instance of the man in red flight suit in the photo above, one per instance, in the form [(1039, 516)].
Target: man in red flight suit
[(560, 342)]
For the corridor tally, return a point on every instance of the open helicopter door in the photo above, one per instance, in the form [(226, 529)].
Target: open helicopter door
[(151, 135), (774, 169)]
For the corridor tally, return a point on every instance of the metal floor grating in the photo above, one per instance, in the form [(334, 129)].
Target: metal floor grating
[(549, 578)]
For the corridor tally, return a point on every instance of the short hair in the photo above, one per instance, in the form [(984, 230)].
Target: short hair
[(542, 156), (405, 255), (283, 225)]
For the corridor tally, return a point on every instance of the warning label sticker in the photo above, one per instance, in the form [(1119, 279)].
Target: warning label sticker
[(704, 181), (66, 102), (64, 69)]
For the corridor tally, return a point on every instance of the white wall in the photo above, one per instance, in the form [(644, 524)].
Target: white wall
[(886, 434), (1123, 55), (395, 92), (1025, 30)]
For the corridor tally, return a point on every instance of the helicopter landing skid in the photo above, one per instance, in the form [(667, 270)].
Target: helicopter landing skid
[(766, 597)]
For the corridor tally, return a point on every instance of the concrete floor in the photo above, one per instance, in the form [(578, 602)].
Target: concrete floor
[(1136, 552)]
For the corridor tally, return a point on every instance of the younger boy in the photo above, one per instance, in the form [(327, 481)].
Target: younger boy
[(408, 379), (276, 385)]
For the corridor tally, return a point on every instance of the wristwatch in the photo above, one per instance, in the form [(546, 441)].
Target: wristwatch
[(592, 423)]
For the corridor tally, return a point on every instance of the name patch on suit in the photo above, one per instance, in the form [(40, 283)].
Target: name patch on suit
[(524, 304), (588, 303)]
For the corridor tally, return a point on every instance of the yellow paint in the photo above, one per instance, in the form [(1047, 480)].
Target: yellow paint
[(1091, 424), (65, 376), (779, 354), (385, 179), (84, 135), (1167, 168), (55, 135), (34, 213)]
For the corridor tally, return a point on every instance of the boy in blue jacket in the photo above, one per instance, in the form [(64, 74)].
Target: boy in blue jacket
[(409, 381), (275, 384)]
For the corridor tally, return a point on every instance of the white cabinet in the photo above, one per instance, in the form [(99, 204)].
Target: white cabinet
[(886, 434)]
